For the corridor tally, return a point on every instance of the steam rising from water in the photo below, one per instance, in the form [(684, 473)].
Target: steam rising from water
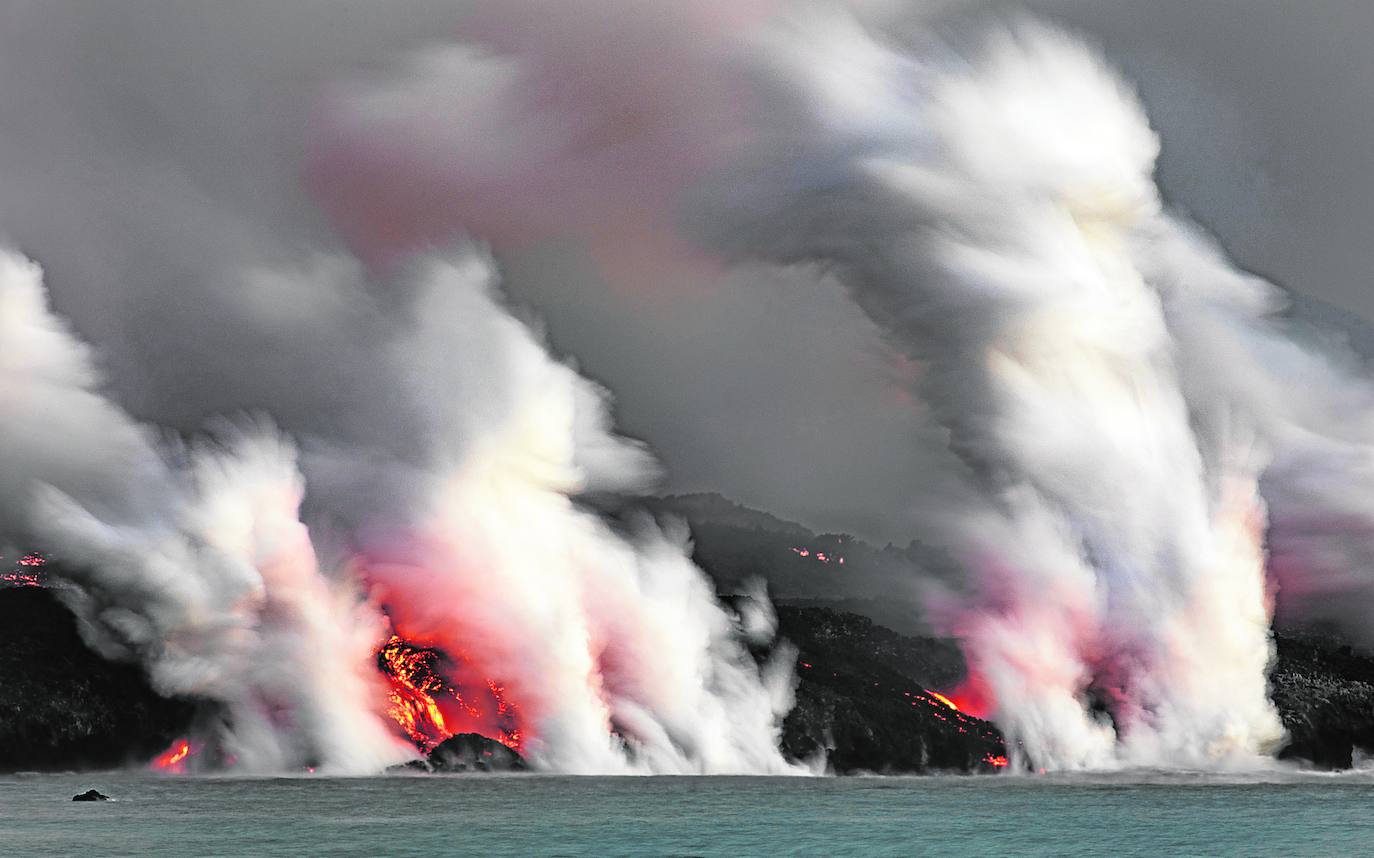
[(1150, 453), (193, 559), (1124, 399), (988, 208), (1129, 408)]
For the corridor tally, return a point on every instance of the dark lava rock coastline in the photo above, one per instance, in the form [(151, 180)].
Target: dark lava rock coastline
[(1324, 691), (863, 700), (64, 707), (472, 752)]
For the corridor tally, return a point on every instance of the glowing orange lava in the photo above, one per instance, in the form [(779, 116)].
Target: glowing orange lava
[(414, 682), (26, 572), (173, 759), (430, 708), (819, 556), (972, 697), (997, 761), (945, 700)]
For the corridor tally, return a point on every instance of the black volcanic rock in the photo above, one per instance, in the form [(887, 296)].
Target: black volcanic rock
[(863, 699), (1325, 695), (849, 668), (62, 706), (472, 752), (734, 544), (91, 795)]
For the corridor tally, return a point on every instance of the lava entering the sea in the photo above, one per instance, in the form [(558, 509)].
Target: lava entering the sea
[(174, 759), (430, 708)]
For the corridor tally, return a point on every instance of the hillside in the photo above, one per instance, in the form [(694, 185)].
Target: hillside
[(735, 544)]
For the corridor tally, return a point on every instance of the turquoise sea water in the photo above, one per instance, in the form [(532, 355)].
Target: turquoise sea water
[(1140, 814)]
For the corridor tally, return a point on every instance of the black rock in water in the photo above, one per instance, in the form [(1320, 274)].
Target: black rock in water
[(63, 706), (471, 752), (91, 795)]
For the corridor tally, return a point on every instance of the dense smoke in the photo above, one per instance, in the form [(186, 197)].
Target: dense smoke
[(1120, 393), (1130, 409), (194, 560), (1148, 457), (985, 204)]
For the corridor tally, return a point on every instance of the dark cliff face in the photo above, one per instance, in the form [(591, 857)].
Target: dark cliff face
[(849, 668), (1325, 694), (864, 701), (62, 706), (735, 544)]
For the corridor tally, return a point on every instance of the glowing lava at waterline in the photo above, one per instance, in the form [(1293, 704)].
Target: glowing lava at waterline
[(174, 759), (431, 709)]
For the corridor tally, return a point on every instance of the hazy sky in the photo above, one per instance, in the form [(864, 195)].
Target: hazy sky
[(156, 149), (773, 389)]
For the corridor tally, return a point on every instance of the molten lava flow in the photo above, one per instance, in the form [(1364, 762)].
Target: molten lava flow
[(819, 556), (508, 734), (414, 682), (945, 700), (972, 697), (997, 761), (430, 708), (173, 759), (25, 572)]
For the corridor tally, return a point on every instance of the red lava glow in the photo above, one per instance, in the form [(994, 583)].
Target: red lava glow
[(945, 700), (414, 682), (818, 556), (430, 709), (972, 697), (174, 758), (26, 572), (997, 761)]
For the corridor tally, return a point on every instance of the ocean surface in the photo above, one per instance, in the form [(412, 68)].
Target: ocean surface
[(531, 815)]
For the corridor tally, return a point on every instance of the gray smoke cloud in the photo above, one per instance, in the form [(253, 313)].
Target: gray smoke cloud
[(1114, 388), (170, 212), (422, 431)]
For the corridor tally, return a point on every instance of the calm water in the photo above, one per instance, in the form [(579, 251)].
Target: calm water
[(1287, 815)]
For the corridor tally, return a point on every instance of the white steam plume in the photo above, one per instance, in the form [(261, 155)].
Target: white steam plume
[(1129, 407), (611, 650), (984, 205), (992, 207), (195, 564), (613, 646)]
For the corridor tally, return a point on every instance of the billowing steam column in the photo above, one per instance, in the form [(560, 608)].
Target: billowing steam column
[(589, 650), (611, 645), (988, 207), (193, 561)]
